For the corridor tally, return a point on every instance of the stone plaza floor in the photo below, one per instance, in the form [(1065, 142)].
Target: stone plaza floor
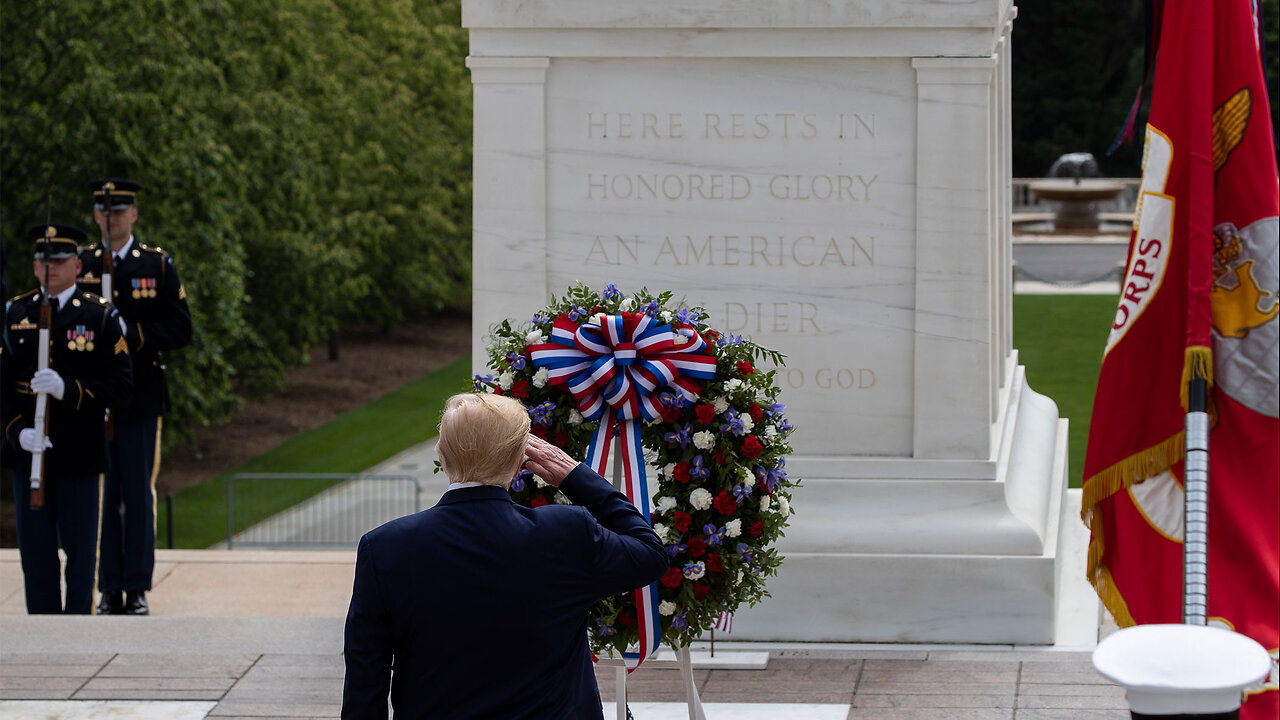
[(258, 634)]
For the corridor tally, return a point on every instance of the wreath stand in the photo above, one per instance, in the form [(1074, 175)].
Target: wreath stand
[(682, 661)]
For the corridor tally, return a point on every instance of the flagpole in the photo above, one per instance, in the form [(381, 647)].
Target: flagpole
[(1195, 548)]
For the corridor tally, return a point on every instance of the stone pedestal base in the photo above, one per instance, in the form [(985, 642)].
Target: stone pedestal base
[(901, 550)]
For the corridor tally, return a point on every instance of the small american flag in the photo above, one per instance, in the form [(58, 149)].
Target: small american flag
[(724, 621)]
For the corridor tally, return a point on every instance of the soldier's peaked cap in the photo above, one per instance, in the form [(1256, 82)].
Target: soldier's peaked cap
[(56, 242), (117, 193)]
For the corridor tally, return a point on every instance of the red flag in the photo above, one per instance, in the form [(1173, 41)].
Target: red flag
[(1199, 300)]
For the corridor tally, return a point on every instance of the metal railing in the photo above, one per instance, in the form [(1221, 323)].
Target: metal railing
[(332, 512)]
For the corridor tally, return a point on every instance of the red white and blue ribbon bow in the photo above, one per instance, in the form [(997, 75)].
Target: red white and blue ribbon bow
[(615, 366)]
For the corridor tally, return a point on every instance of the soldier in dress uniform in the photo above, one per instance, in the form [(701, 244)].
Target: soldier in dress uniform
[(146, 291), (88, 371)]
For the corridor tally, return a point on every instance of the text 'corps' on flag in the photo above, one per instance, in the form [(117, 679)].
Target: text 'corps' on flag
[(1199, 301)]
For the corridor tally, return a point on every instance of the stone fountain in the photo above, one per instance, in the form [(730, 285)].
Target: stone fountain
[(1075, 186)]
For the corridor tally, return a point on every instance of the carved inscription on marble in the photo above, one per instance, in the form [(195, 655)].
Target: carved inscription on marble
[(736, 250)]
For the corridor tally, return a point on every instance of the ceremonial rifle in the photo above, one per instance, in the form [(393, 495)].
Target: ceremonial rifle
[(108, 269), (41, 424)]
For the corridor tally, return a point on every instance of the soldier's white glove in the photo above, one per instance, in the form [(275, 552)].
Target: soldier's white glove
[(27, 439), (48, 381)]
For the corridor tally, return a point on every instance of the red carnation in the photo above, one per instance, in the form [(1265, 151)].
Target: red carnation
[(671, 413), (720, 459), (596, 308), (725, 504), (751, 446), (713, 563), (561, 438), (681, 472), (706, 413), (537, 501), (520, 389), (539, 431), (497, 391), (673, 578), (680, 521), (700, 591), (744, 367), (626, 618), (757, 528), (697, 547), (756, 412)]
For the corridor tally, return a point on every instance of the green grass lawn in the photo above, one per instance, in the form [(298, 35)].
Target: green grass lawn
[(1060, 340), (351, 443)]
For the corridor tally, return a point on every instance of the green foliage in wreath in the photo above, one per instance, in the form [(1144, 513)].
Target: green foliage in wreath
[(722, 495)]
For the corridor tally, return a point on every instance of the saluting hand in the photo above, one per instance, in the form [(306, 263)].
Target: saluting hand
[(551, 463)]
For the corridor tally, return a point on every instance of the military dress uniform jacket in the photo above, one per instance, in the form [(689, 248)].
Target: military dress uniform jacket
[(89, 352), (153, 303), (482, 605)]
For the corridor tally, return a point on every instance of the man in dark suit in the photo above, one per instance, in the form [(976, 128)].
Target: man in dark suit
[(145, 289), (481, 605), (88, 370)]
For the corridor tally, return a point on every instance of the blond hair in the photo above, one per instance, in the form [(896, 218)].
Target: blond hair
[(482, 438)]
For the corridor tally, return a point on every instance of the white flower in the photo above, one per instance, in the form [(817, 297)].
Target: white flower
[(534, 337), (540, 378), (650, 455), (704, 440), (770, 432), (733, 528), (666, 607), (504, 380), (738, 580), (669, 469), (700, 499), (747, 422), (661, 531), (695, 571), (561, 499), (665, 315), (539, 481), (732, 384), (748, 479), (575, 417), (721, 405), (678, 338), (665, 505), (784, 506), (627, 304), (764, 503)]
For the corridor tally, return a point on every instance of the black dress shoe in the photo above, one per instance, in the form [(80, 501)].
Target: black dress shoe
[(111, 603), (135, 603)]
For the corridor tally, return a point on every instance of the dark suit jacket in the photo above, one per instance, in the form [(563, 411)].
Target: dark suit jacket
[(481, 605)]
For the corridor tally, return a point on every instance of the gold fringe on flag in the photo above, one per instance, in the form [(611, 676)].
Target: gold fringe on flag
[(1199, 366)]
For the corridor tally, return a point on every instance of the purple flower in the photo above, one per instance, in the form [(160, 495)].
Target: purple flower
[(688, 316), (696, 470), (772, 478), (516, 360), (744, 553), (650, 308), (611, 291), (774, 409), (785, 426), (541, 414), (715, 535), (676, 548), (577, 312), (481, 382), (680, 436), (537, 319), (518, 482), (740, 493), (604, 629), (680, 621), (733, 423), (670, 399), (729, 339)]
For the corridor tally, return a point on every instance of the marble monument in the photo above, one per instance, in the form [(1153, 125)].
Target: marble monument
[(832, 178)]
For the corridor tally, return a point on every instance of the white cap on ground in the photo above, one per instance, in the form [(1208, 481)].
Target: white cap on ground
[(1173, 669)]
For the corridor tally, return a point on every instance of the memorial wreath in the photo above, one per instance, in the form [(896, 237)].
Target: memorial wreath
[(676, 395)]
